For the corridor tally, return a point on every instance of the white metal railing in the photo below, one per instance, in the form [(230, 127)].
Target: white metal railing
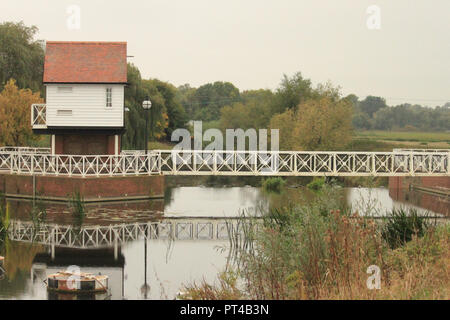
[(39, 116), (29, 150), (246, 163)]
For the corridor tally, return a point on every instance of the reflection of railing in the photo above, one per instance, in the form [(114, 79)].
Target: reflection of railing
[(105, 236), (39, 116), (234, 163)]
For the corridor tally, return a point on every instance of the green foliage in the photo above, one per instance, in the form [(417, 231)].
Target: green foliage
[(205, 103), (77, 207), (370, 105), (4, 214), (4, 221), (316, 184), (166, 114), (402, 225), (373, 113), (38, 213), (21, 57), (291, 92), (274, 184)]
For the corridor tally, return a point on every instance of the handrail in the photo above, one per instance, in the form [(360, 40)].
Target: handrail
[(250, 163), (39, 116)]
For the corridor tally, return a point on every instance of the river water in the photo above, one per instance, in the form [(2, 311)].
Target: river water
[(186, 239)]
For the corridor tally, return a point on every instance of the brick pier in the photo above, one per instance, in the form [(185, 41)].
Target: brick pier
[(93, 189)]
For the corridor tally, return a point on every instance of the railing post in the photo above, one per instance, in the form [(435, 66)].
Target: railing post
[(295, 162), (160, 162), (83, 168), (194, 161), (334, 163), (374, 168), (136, 168), (12, 159), (448, 163)]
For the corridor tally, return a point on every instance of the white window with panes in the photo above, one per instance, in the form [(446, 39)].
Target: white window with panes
[(108, 97)]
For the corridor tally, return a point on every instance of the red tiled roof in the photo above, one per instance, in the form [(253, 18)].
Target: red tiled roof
[(85, 62)]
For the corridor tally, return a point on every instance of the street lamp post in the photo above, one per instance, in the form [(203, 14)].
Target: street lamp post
[(147, 104)]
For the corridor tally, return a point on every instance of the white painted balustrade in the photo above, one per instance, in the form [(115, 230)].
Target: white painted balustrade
[(231, 163)]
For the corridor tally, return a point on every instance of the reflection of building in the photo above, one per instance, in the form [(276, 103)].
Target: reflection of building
[(97, 214), (106, 261), (427, 201), (430, 193)]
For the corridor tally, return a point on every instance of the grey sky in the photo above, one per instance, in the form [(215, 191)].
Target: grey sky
[(251, 43)]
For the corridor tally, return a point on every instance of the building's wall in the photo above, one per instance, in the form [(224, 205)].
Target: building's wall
[(88, 105), (432, 182), (87, 144)]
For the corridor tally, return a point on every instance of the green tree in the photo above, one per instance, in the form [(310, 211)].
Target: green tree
[(291, 92), (372, 104), (323, 123), (166, 113), (21, 57), (176, 114), (208, 99)]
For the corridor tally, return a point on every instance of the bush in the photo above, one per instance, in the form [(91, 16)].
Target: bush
[(402, 225), (274, 184), (316, 184)]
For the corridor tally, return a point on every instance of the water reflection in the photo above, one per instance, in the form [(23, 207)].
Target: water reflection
[(148, 249)]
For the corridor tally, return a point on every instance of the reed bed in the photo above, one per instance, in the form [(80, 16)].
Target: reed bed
[(320, 251)]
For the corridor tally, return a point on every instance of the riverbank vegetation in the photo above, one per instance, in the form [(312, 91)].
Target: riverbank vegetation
[(273, 184), (323, 251)]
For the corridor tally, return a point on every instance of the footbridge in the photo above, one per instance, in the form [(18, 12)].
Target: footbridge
[(399, 162)]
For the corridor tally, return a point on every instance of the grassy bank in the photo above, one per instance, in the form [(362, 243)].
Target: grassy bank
[(322, 251), (375, 140)]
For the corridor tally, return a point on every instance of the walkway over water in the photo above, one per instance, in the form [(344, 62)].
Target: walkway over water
[(230, 163)]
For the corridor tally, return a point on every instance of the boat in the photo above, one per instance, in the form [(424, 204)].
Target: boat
[(68, 282)]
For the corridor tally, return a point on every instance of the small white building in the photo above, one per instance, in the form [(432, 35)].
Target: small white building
[(84, 110)]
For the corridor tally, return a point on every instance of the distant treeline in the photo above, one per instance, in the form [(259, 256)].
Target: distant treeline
[(308, 116), (373, 113)]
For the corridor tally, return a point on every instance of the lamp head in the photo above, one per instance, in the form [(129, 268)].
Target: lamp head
[(147, 104)]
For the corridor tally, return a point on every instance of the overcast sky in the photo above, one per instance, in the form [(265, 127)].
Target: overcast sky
[(252, 43)]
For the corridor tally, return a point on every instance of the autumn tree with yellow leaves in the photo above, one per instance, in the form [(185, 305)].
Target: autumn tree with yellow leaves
[(323, 123), (15, 104)]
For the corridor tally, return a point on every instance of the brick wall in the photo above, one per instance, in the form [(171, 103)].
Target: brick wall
[(94, 144), (92, 188), (431, 182)]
